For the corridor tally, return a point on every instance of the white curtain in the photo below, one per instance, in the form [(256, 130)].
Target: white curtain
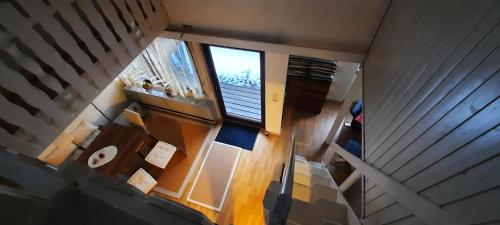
[(165, 62)]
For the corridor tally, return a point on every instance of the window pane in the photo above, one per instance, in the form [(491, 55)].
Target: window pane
[(237, 67), (167, 63), (238, 73)]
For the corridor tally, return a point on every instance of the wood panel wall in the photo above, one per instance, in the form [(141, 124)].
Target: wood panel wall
[(431, 90), (57, 55)]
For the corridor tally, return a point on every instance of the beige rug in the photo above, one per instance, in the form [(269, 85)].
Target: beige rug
[(214, 177)]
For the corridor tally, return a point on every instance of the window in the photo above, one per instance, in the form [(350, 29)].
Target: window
[(167, 64)]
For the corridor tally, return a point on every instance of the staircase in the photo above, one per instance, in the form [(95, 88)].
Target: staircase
[(315, 197)]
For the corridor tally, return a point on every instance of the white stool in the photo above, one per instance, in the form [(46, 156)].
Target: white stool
[(142, 180), (161, 154)]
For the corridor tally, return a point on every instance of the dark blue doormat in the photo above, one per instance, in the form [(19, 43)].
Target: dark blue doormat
[(237, 135)]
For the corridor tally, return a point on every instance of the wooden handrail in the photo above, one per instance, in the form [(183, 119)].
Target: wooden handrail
[(422, 208)]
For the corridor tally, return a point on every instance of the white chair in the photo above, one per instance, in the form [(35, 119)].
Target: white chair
[(161, 154), (135, 118), (142, 180)]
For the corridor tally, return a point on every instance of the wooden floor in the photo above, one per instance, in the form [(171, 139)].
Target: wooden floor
[(257, 168), (242, 102)]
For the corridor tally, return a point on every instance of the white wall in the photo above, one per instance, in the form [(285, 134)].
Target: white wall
[(431, 87), (276, 68), (203, 74), (335, 25), (266, 46), (85, 78), (111, 101), (344, 76)]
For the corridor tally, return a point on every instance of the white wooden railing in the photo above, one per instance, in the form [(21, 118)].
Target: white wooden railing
[(57, 55), (422, 208)]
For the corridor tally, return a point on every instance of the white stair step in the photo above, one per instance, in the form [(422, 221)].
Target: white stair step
[(314, 197), (314, 192), (300, 158), (315, 165), (302, 167), (309, 181), (301, 192), (319, 191), (319, 179), (331, 211), (303, 213), (309, 169), (302, 179)]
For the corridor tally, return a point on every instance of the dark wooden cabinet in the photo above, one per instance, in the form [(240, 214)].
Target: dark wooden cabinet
[(308, 82), (306, 93)]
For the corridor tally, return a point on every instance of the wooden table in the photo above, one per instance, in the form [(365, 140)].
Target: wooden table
[(133, 145)]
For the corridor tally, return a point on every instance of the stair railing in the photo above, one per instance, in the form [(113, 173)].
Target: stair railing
[(278, 199), (287, 178), (422, 208)]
